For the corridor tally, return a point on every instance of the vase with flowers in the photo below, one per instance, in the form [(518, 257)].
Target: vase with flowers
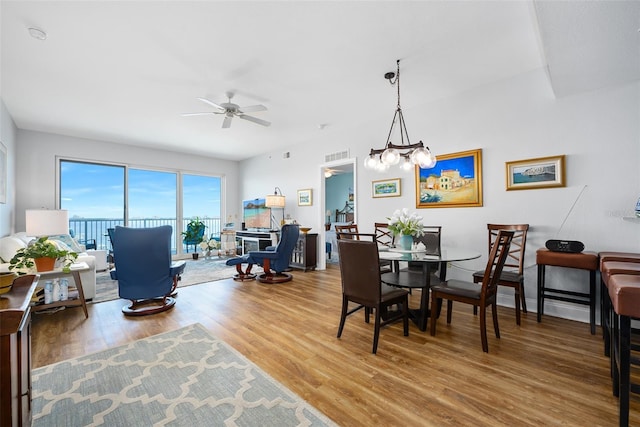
[(208, 246), (405, 226)]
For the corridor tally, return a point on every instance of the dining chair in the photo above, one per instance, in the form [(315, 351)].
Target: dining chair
[(513, 274), (360, 274), (471, 293), (431, 240), (384, 237), (347, 231)]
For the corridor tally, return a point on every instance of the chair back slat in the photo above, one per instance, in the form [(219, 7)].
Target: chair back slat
[(347, 231), (497, 258), (384, 236), (515, 259)]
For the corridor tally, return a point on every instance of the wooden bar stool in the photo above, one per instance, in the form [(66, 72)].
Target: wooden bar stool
[(582, 261), (605, 303), (608, 269), (624, 292)]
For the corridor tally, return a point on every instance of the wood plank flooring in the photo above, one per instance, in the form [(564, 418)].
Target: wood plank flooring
[(549, 373)]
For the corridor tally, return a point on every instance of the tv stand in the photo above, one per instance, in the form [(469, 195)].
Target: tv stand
[(256, 240)]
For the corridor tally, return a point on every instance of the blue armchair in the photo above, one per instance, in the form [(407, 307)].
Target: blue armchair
[(143, 268), (274, 261)]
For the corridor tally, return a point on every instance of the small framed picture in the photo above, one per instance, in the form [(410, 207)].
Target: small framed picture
[(386, 188), (543, 172), (305, 197)]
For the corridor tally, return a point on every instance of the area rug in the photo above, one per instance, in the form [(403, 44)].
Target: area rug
[(198, 271), (182, 378)]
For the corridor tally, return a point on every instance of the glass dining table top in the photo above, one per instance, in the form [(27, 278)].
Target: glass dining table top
[(447, 254)]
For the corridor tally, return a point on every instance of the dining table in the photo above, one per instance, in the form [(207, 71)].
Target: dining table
[(430, 261)]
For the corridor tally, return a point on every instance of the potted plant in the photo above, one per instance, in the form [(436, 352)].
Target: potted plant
[(193, 235), (43, 254)]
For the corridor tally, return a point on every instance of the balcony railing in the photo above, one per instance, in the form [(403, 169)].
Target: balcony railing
[(89, 229)]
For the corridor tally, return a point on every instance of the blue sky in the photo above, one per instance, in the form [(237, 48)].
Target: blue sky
[(97, 191)]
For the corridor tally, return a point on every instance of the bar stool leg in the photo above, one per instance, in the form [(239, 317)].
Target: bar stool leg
[(592, 302), (540, 291), (625, 368)]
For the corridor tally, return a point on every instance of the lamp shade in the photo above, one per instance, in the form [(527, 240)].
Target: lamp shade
[(44, 222), (275, 201)]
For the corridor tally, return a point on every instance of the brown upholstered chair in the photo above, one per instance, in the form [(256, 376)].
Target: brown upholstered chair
[(513, 274), (470, 293), (360, 273)]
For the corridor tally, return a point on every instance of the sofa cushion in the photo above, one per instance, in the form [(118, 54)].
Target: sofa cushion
[(9, 245)]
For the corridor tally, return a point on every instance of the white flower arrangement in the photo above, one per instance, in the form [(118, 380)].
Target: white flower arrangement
[(209, 244), (403, 223)]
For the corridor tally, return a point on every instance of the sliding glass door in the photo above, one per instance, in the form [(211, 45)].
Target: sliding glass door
[(94, 195), (101, 196)]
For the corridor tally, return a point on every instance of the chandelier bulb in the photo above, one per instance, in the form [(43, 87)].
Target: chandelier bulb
[(371, 161), (390, 157)]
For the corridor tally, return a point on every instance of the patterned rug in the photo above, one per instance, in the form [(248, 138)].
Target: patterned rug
[(199, 271), (182, 378)]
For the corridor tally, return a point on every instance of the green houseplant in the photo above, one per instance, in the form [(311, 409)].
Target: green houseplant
[(193, 234), (41, 249)]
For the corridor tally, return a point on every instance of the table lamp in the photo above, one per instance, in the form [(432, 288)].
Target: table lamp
[(46, 222)]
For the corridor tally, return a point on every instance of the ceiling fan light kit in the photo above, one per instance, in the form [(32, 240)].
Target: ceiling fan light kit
[(231, 110), (406, 154)]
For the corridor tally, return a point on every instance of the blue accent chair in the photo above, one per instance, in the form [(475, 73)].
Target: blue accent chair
[(274, 261), (143, 268)]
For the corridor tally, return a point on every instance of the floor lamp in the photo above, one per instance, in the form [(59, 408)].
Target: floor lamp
[(277, 201)]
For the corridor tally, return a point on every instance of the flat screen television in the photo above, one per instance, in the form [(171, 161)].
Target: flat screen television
[(256, 215)]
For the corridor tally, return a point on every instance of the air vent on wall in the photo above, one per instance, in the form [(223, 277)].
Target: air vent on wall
[(338, 155)]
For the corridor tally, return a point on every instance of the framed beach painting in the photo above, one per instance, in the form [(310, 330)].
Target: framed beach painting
[(305, 197), (455, 181), (386, 188), (543, 172)]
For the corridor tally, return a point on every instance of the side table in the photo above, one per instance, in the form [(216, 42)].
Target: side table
[(74, 300), (304, 255)]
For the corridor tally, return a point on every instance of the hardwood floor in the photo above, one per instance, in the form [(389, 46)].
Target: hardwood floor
[(549, 373)]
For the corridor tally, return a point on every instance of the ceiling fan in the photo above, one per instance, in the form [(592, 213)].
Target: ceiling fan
[(328, 172), (231, 110)]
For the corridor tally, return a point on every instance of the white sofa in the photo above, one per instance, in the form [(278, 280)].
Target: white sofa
[(9, 245)]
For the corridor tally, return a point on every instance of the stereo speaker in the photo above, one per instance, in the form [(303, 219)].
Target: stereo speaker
[(568, 246)]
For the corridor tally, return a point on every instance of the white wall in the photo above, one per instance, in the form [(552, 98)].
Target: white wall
[(8, 138), (37, 153), (510, 120)]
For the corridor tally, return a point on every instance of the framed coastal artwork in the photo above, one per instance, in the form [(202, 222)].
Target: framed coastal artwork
[(455, 181), (542, 172), (386, 188), (305, 197)]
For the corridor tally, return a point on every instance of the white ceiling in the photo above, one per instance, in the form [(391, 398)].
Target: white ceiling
[(125, 71)]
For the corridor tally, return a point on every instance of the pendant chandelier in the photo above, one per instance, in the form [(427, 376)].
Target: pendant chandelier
[(405, 153)]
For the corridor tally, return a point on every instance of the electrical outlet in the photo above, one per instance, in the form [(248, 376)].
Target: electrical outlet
[(449, 264)]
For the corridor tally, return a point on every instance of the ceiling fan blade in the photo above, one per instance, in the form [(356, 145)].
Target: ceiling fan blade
[(213, 104), (253, 108), (227, 122), (255, 120), (197, 114)]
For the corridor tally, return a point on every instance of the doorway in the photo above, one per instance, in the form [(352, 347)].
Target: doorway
[(338, 194)]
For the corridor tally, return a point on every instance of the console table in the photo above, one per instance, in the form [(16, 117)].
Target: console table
[(256, 240), (15, 353), (76, 299), (304, 255)]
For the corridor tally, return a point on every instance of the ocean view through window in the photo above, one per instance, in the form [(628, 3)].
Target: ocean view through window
[(101, 196)]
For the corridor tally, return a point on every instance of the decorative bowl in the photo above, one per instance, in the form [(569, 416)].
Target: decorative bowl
[(305, 230), (6, 282)]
